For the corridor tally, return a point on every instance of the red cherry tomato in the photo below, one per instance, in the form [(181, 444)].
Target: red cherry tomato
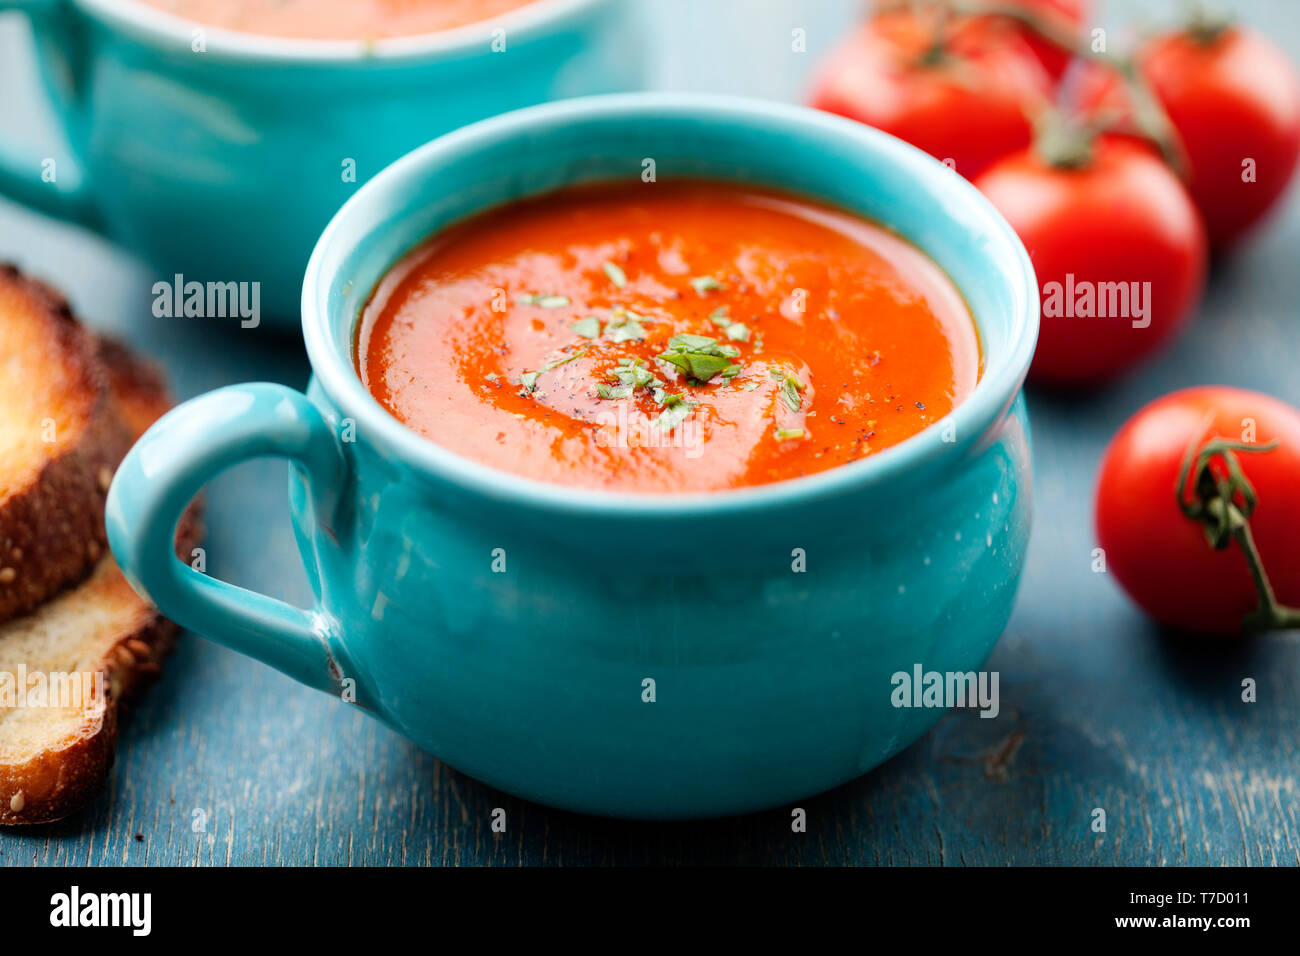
[(1118, 248), (964, 92), (1160, 556), (1234, 101), (1066, 16)]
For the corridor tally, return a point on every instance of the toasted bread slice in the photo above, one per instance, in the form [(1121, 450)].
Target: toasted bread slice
[(60, 440), (55, 756)]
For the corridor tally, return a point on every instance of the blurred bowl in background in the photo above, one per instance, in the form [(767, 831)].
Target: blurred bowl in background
[(221, 155)]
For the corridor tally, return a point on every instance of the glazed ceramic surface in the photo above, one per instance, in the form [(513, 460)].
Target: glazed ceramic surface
[(221, 156), (577, 647)]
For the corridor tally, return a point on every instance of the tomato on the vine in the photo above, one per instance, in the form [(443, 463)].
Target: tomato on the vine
[(1065, 16), (1233, 99), (1117, 246), (1163, 558), (962, 89)]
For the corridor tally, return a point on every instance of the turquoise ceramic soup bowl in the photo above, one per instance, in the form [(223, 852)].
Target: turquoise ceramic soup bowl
[(561, 644), (224, 164)]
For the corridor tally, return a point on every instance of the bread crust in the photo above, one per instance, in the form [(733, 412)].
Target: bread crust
[(52, 527), (71, 771)]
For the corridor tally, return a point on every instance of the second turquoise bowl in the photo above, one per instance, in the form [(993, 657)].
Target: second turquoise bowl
[(223, 164)]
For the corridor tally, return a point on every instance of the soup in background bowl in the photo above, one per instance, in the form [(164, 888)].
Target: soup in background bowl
[(631, 653), (337, 19)]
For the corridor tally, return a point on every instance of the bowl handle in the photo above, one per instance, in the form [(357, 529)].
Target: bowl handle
[(168, 466)]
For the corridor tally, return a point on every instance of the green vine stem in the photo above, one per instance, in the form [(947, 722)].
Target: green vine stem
[(1150, 117), (1223, 503), (937, 52), (1203, 25), (1064, 141)]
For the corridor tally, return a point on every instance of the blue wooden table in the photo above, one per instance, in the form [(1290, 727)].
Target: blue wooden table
[(228, 762)]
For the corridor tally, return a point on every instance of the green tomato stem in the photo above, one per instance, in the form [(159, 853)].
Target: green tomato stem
[(1213, 502)]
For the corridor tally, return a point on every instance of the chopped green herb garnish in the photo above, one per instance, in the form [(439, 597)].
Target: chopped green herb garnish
[(736, 331), (491, 376), (700, 357), (613, 391), (626, 332), (616, 275), (625, 326), (633, 372), (787, 434), (705, 284), (546, 301), (529, 379), (588, 327), (676, 410), (790, 393), (697, 365), (750, 385), (556, 363), (686, 342)]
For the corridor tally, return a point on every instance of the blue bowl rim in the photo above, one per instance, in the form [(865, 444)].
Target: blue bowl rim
[(164, 30), (991, 398)]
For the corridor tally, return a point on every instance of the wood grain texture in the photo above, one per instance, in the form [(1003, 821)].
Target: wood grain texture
[(1098, 708)]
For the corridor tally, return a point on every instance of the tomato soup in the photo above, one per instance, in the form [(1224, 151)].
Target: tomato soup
[(667, 338), (337, 19)]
